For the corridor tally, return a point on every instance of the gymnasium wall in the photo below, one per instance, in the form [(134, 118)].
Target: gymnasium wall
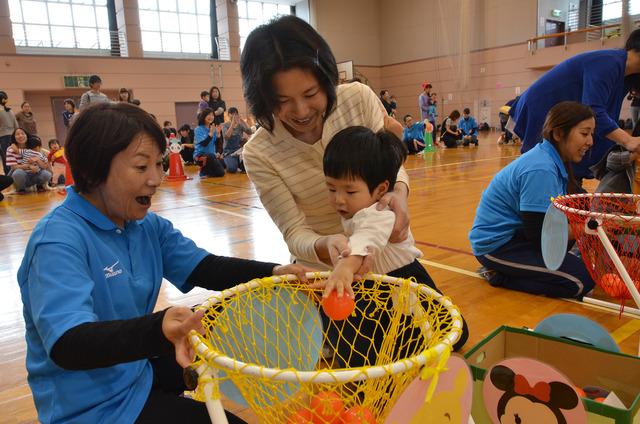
[(158, 83), (352, 28)]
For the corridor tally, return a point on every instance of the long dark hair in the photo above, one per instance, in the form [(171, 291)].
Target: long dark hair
[(211, 100), (564, 116), (282, 44)]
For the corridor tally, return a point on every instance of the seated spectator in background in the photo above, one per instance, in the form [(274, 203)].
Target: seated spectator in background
[(204, 101), (185, 138), (94, 95), (28, 168), (205, 145), (5, 181), (57, 161), (25, 119), (413, 135), (503, 114), (168, 129), (451, 135), (69, 112), (233, 132), (469, 128)]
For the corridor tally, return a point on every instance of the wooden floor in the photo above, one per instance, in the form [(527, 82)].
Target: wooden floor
[(225, 216)]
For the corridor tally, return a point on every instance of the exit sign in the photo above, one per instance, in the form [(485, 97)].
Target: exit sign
[(556, 13), (76, 81)]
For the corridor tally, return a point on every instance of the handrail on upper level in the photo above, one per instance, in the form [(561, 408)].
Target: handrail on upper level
[(532, 43)]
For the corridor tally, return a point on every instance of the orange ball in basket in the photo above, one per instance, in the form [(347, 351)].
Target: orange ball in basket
[(357, 415), (326, 408), (302, 416), (613, 285), (338, 308)]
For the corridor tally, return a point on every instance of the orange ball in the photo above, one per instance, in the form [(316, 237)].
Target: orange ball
[(599, 399), (338, 308), (358, 415), (613, 285), (580, 392), (326, 408), (302, 416)]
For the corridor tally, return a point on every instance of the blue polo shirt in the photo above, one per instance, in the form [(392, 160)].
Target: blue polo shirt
[(416, 131), (200, 134), (525, 185), (468, 126), (80, 267)]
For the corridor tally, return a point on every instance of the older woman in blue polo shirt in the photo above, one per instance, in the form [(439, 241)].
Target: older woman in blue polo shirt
[(96, 351), (505, 236)]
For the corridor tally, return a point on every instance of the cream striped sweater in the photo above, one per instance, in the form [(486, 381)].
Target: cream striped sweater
[(287, 172)]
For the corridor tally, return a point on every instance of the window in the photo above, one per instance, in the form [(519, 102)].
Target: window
[(255, 13), (175, 26), (60, 24), (612, 9)]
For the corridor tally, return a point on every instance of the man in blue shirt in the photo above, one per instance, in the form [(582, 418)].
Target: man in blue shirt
[(413, 134), (595, 78), (469, 128)]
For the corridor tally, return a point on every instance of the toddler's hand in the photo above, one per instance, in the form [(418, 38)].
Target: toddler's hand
[(340, 280), (298, 270)]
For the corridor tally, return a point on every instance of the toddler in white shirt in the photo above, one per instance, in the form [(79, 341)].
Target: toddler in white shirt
[(360, 167)]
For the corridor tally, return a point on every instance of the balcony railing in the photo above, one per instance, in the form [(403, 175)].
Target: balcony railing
[(117, 46), (602, 33)]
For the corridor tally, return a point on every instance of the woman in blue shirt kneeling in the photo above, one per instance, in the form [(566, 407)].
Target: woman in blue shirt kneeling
[(96, 350), (506, 232)]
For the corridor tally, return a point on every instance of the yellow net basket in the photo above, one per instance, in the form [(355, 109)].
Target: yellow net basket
[(269, 346)]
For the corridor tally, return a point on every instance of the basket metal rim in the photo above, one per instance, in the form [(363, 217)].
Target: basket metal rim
[(328, 375), (594, 214)]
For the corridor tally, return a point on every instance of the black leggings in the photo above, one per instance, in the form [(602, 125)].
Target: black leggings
[(165, 405), (354, 347)]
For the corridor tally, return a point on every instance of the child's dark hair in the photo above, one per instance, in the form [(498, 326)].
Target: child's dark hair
[(204, 93), (52, 141), (358, 152), (232, 110), (467, 111), (33, 142)]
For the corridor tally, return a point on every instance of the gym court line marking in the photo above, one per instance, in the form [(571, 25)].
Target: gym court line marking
[(459, 163), (622, 333)]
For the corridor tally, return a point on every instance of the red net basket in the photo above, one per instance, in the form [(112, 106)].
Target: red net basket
[(617, 215)]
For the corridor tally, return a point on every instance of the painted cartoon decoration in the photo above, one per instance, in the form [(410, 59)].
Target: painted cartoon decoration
[(450, 403), (174, 146), (522, 390)]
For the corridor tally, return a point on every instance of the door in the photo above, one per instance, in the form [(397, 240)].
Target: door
[(553, 27), (57, 107), (186, 114)]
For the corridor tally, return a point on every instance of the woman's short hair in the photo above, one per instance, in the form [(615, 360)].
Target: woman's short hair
[(203, 114), (70, 101), (455, 114), (99, 133), (24, 103), (358, 152), (284, 43)]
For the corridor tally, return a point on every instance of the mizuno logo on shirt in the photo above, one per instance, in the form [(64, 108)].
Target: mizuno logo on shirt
[(110, 271)]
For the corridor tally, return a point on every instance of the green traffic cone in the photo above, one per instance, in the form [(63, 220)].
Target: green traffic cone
[(428, 143)]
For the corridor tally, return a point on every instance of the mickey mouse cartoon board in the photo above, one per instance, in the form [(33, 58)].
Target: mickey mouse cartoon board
[(523, 391)]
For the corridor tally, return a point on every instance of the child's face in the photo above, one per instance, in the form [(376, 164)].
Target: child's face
[(205, 98), (68, 107), (54, 147), (349, 196)]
